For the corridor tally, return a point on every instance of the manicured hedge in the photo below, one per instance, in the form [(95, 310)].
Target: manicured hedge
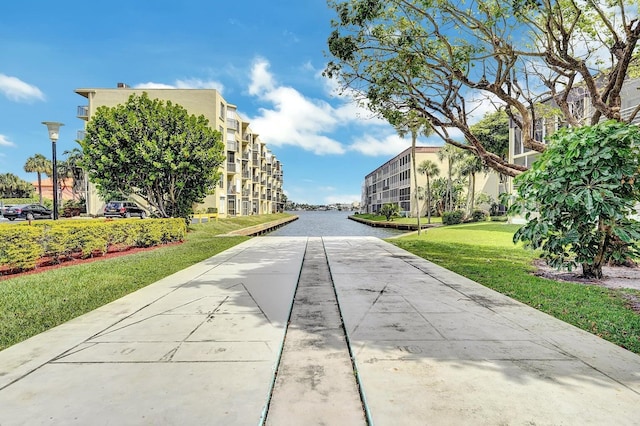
[(21, 246)]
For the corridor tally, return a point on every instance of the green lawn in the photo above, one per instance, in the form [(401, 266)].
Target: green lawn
[(31, 304), (484, 252)]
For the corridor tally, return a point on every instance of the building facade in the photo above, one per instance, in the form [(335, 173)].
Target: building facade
[(581, 107), (251, 176), (392, 182)]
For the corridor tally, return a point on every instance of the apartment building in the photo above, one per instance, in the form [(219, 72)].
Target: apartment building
[(392, 182), (582, 108), (251, 178)]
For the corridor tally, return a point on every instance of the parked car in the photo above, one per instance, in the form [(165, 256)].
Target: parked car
[(28, 212), (3, 208), (124, 209)]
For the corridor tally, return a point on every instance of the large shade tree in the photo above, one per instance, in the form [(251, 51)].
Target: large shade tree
[(154, 150), (447, 58), (38, 164)]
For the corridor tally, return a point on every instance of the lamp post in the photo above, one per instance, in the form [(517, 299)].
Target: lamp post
[(54, 131)]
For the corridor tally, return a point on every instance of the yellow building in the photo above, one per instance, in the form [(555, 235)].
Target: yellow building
[(392, 182), (251, 181)]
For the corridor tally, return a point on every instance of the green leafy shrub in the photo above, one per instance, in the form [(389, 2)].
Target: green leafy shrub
[(579, 195), (21, 246), (453, 218), (390, 210), (479, 216)]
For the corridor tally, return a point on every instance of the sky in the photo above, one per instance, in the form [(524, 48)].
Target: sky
[(265, 57)]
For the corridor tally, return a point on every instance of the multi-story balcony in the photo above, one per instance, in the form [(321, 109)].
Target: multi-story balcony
[(231, 167), (232, 146), (234, 124), (245, 156), (232, 190), (83, 112), (246, 174)]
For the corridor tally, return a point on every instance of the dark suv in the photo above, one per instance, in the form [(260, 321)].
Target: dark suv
[(123, 209), (27, 211)]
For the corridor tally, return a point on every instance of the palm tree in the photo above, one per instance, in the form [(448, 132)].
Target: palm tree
[(429, 169), (74, 170), (413, 123), (469, 166), (38, 164), (452, 155)]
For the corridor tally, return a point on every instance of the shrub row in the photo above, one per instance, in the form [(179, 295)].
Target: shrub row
[(22, 246)]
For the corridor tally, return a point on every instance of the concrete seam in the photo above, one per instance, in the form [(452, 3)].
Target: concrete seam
[(265, 411), (363, 399)]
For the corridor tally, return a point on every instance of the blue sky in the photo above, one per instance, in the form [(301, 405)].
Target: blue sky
[(266, 57)]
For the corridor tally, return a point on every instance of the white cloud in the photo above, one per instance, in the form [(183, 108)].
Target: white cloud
[(261, 79), (17, 90), (293, 119), (192, 83), (5, 142), (376, 146)]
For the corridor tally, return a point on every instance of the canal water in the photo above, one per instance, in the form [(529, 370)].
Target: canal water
[(330, 223)]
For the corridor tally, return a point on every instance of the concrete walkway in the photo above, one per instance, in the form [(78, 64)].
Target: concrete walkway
[(210, 345)]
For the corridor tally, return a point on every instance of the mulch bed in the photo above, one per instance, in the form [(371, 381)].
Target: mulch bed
[(49, 263)]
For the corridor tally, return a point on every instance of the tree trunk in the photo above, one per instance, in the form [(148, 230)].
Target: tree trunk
[(592, 271), (415, 175), (595, 270), (40, 186), (428, 201), (473, 191), (450, 187)]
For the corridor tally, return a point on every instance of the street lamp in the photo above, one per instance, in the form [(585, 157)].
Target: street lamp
[(54, 131)]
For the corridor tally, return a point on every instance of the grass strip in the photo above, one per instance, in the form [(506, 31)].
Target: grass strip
[(484, 252), (31, 304)]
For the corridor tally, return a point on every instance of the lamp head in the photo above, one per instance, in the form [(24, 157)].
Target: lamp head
[(54, 129)]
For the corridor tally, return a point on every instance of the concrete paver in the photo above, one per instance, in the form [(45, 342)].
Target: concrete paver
[(432, 347), (204, 346), (199, 347), (315, 383)]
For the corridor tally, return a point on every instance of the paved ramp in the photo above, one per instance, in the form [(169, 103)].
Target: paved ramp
[(210, 345)]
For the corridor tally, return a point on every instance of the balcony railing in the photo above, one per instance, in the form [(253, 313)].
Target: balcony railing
[(81, 134), (256, 179), (231, 190), (246, 192), (231, 167), (232, 123), (83, 111), (232, 146), (245, 156), (255, 157), (246, 174)]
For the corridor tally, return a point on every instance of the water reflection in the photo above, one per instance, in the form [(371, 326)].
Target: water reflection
[(330, 223)]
